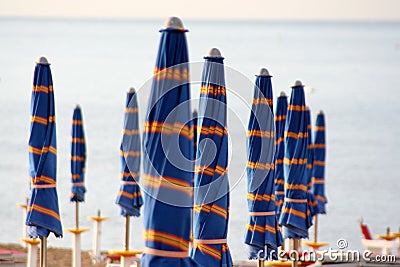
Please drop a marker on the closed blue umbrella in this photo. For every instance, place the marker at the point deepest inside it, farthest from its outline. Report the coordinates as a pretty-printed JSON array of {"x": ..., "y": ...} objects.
[
  {"x": 295, "y": 211},
  {"x": 195, "y": 115},
  {"x": 77, "y": 194},
  {"x": 129, "y": 196},
  {"x": 211, "y": 195},
  {"x": 43, "y": 213},
  {"x": 168, "y": 155},
  {"x": 78, "y": 157},
  {"x": 318, "y": 187},
  {"x": 310, "y": 156},
  {"x": 280, "y": 118},
  {"x": 262, "y": 227}
]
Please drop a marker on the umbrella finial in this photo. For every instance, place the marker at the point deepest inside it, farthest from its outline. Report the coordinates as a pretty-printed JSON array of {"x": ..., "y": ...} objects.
[
  {"x": 131, "y": 90},
  {"x": 297, "y": 83},
  {"x": 214, "y": 52},
  {"x": 77, "y": 106},
  {"x": 321, "y": 112},
  {"x": 283, "y": 94},
  {"x": 43, "y": 60},
  {"x": 263, "y": 72},
  {"x": 174, "y": 23}
]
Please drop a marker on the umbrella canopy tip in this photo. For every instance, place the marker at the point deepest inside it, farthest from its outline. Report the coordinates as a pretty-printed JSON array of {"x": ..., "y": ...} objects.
[
  {"x": 214, "y": 52},
  {"x": 297, "y": 83},
  {"x": 321, "y": 112},
  {"x": 77, "y": 106},
  {"x": 263, "y": 72},
  {"x": 42, "y": 60},
  {"x": 131, "y": 90},
  {"x": 283, "y": 94},
  {"x": 174, "y": 23}
]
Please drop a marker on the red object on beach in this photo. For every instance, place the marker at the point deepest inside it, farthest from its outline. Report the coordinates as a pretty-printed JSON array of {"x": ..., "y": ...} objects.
[
  {"x": 112, "y": 257},
  {"x": 12, "y": 252},
  {"x": 365, "y": 231}
]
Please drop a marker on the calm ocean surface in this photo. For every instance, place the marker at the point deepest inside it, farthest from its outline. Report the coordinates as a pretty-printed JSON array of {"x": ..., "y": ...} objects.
[{"x": 354, "y": 69}]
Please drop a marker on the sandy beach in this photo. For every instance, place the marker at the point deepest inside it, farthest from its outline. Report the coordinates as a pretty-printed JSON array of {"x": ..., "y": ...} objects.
[{"x": 56, "y": 256}]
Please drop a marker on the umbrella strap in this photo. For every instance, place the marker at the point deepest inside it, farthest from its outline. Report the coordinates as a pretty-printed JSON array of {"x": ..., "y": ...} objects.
[
  {"x": 165, "y": 253},
  {"x": 78, "y": 184},
  {"x": 293, "y": 200},
  {"x": 43, "y": 185},
  {"x": 210, "y": 241},
  {"x": 129, "y": 182},
  {"x": 262, "y": 213}
]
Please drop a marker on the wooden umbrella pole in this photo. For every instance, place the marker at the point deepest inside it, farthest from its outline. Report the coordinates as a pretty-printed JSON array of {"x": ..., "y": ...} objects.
[
  {"x": 127, "y": 220},
  {"x": 43, "y": 252},
  {"x": 125, "y": 262},
  {"x": 315, "y": 228},
  {"x": 77, "y": 215},
  {"x": 260, "y": 262},
  {"x": 296, "y": 251}
]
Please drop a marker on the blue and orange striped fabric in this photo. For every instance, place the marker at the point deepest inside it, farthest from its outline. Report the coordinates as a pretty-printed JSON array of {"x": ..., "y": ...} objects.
[
  {"x": 211, "y": 193},
  {"x": 318, "y": 187},
  {"x": 312, "y": 203},
  {"x": 295, "y": 211},
  {"x": 262, "y": 227},
  {"x": 168, "y": 157},
  {"x": 195, "y": 116},
  {"x": 78, "y": 157},
  {"x": 43, "y": 214},
  {"x": 129, "y": 196},
  {"x": 280, "y": 118}
]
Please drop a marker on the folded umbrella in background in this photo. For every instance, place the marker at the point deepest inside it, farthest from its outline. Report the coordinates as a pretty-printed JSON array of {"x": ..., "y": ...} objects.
[
  {"x": 78, "y": 157},
  {"x": 312, "y": 203},
  {"x": 211, "y": 194},
  {"x": 295, "y": 211},
  {"x": 43, "y": 212},
  {"x": 280, "y": 118},
  {"x": 318, "y": 175},
  {"x": 195, "y": 116},
  {"x": 262, "y": 228},
  {"x": 129, "y": 196}
]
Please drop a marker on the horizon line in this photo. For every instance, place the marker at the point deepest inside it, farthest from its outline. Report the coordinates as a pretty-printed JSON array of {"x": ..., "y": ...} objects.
[{"x": 150, "y": 19}]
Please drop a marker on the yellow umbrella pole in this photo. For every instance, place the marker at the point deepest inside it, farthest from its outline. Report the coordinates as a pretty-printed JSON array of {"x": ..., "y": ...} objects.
[{"x": 43, "y": 252}]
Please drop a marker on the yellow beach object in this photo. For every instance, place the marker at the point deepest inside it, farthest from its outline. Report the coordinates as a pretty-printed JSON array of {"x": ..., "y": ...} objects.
[
  {"x": 125, "y": 253},
  {"x": 315, "y": 245}
]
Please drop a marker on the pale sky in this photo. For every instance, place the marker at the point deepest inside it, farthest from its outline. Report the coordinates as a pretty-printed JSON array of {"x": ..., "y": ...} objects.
[{"x": 207, "y": 9}]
